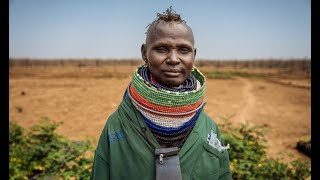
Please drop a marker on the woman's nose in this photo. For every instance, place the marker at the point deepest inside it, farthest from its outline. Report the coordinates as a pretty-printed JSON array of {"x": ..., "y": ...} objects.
[{"x": 173, "y": 58}]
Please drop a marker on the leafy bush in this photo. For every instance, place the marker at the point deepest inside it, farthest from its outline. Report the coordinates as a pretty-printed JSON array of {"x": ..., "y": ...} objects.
[
  {"x": 39, "y": 153},
  {"x": 248, "y": 158}
]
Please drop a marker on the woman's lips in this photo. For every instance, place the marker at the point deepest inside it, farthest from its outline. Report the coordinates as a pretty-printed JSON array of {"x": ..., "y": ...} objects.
[{"x": 172, "y": 72}]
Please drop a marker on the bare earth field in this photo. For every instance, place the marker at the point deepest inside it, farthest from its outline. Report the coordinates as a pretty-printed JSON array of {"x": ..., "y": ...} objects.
[{"x": 83, "y": 98}]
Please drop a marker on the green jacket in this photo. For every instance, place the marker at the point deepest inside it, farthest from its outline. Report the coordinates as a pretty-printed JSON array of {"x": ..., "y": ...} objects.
[{"x": 126, "y": 149}]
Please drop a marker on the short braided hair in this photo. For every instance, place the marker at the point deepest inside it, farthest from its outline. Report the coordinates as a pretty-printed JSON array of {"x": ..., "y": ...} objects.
[{"x": 168, "y": 15}]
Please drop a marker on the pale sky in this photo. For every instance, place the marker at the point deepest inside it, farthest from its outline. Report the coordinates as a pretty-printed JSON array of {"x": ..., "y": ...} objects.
[{"x": 223, "y": 29}]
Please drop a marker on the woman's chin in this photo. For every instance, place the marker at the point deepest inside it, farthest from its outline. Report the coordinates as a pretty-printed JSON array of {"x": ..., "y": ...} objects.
[{"x": 171, "y": 82}]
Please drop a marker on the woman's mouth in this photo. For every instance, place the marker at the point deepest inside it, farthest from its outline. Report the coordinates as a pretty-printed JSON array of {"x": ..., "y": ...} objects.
[{"x": 172, "y": 72}]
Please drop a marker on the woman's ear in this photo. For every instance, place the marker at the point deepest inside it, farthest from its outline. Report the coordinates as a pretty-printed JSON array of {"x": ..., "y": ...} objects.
[
  {"x": 144, "y": 52},
  {"x": 195, "y": 52}
]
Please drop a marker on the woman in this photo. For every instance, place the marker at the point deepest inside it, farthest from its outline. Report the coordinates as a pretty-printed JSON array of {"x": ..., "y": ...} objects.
[{"x": 160, "y": 130}]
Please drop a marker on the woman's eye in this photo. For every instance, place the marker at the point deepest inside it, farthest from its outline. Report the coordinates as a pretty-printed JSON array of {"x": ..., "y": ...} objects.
[
  {"x": 184, "y": 50},
  {"x": 162, "y": 49}
]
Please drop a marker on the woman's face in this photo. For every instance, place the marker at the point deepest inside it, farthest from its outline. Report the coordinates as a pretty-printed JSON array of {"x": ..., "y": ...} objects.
[{"x": 170, "y": 52}]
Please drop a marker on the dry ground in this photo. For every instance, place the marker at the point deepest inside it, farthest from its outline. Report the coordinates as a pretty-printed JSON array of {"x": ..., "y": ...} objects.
[{"x": 83, "y": 98}]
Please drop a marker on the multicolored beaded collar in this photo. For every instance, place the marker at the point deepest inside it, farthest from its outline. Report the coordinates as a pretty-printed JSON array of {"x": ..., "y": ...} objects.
[{"x": 169, "y": 113}]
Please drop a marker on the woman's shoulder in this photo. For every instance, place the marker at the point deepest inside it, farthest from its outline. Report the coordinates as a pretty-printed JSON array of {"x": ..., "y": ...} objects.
[
  {"x": 209, "y": 121},
  {"x": 121, "y": 115}
]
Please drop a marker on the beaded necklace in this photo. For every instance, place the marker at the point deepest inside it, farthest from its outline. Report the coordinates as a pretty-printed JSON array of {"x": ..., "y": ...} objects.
[
  {"x": 188, "y": 85},
  {"x": 170, "y": 113}
]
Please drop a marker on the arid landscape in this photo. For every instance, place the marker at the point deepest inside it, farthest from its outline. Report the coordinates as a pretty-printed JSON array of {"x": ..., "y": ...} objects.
[{"x": 83, "y": 95}]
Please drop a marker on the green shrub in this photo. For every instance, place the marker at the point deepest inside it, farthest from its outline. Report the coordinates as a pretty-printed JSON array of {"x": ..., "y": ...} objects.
[
  {"x": 248, "y": 155},
  {"x": 39, "y": 153}
]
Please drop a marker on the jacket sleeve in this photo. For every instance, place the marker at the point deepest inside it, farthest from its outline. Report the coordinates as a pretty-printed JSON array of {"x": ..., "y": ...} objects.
[{"x": 100, "y": 169}]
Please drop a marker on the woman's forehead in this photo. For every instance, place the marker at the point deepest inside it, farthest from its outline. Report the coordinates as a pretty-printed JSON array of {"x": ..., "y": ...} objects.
[{"x": 170, "y": 29}]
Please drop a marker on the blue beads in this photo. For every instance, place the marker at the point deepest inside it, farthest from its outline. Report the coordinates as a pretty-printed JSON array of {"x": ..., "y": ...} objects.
[{"x": 171, "y": 131}]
